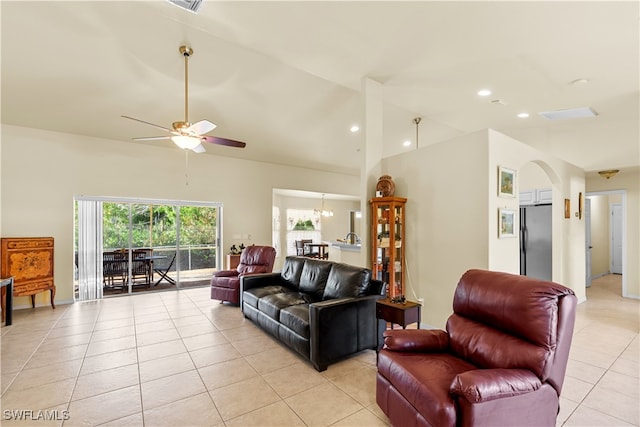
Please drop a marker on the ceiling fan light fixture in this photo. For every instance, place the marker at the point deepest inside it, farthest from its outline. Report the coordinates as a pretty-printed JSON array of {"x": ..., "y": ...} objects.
[
  {"x": 186, "y": 142},
  {"x": 608, "y": 173}
]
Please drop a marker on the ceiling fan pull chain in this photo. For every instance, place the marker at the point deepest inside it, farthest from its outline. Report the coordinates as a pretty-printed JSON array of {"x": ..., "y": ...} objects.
[{"x": 186, "y": 167}]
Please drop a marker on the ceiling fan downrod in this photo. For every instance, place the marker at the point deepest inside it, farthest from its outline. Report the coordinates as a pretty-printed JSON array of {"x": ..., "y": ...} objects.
[{"x": 186, "y": 51}]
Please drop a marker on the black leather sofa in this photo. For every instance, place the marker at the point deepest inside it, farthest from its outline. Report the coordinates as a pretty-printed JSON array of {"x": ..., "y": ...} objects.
[{"x": 323, "y": 310}]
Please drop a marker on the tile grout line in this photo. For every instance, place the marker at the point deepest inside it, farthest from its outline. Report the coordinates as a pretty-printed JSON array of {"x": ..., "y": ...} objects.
[{"x": 37, "y": 347}]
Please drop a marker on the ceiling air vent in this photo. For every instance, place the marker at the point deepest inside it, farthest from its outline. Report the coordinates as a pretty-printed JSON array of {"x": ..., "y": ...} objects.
[
  {"x": 574, "y": 113},
  {"x": 190, "y": 5}
]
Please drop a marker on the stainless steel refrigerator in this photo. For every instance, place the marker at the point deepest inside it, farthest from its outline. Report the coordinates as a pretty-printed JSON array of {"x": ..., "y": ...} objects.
[{"x": 535, "y": 241}]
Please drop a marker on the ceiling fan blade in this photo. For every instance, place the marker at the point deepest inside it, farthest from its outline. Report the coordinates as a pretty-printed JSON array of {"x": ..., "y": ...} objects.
[
  {"x": 201, "y": 127},
  {"x": 151, "y": 138},
  {"x": 224, "y": 141},
  {"x": 147, "y": 123},
  {"x": 199, "y": 149}
]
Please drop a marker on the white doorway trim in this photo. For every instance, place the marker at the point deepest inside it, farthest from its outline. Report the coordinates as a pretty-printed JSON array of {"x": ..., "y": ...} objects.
[
  {"x": 623, "y": 193},
  {"x": 615, "y": 237}
]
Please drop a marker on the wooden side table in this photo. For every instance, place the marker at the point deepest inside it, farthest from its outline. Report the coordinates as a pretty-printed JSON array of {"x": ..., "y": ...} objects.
[
  {"x": 232, "y": 261},
  {"x": 398, "y": 313},
  {"x": 395, "y": 313}
]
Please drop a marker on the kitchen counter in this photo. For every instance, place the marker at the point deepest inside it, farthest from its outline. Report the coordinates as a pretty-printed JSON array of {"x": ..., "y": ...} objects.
[{"x": 346, "y": 253}]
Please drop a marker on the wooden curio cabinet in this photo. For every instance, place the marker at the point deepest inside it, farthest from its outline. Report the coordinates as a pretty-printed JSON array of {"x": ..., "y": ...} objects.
[{"x": 387, "y": 237}]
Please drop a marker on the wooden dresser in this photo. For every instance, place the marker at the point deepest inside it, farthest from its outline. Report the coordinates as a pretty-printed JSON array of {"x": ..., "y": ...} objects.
[{"x": 30, "y": 261}]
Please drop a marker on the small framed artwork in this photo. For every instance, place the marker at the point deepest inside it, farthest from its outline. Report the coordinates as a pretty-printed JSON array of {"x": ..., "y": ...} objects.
[
  {"x": 506, "y": 182},
  {"x": 506, "y": 223},
  {"x": 567, "y": 208}
]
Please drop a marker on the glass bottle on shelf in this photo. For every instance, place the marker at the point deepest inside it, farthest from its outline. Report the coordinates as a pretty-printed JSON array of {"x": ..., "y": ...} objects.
[{"x": 387, "y": 237}]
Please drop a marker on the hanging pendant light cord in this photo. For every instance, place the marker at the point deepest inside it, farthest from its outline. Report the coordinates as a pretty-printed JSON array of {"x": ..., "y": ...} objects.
[{"x": 417, "y": 121}]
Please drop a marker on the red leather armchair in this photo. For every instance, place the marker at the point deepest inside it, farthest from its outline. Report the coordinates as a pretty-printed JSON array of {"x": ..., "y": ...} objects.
[
  {"x": 500, "y": 362},
  {"x": 225, "y": 284}
]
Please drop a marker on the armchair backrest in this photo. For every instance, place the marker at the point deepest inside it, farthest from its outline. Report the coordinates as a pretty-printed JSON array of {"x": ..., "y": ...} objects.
[
  {"x": 502, "y": 320},
  {"x": 257, "y": 259}
]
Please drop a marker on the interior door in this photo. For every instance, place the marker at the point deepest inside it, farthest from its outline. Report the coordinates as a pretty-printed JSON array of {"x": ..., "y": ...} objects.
[
  {"x": 588, "y": 245},
  {"x": 616, "y": 238}
]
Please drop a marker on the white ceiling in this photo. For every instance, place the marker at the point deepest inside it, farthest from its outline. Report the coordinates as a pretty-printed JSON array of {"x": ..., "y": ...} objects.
[{"x": 286, "y": 77}]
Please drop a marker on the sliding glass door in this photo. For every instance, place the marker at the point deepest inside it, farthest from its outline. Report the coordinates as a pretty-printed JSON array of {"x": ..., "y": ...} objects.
[
  {"x": 147, "y": 245},
  {"x": 198, "y": 244}
]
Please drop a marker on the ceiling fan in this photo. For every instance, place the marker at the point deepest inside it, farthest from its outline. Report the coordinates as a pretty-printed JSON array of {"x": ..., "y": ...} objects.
[{"x": 189, "y": 136}]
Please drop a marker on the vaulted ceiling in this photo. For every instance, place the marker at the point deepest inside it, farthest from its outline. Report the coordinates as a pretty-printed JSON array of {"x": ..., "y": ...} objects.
[{"x": 286, "y": 77}]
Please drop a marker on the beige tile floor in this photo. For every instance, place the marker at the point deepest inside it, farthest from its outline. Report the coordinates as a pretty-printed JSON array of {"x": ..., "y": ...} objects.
[{"x": 180, "y": 359}]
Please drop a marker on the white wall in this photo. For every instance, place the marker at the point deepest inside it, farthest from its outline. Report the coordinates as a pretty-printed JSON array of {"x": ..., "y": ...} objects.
[
  {"x": 446, "y": 218},
  {"x": 567, "y": 182},
  {"x": 42, "y": 171},
  {"x": 452, "y": 215}
]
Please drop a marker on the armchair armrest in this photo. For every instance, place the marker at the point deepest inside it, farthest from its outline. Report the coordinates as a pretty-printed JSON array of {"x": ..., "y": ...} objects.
[
  {"x": 483, "y": 385},
  {"x": 225, "y": 273},
  {"x": 416, "y": 340}
]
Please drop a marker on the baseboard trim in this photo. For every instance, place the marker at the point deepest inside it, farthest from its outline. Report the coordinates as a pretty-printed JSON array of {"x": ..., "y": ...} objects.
[{"x": 38, "y": 305}]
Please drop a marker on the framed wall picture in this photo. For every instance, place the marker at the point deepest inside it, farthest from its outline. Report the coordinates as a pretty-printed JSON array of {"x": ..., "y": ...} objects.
[
  {"x": 506, "y": 223},
  {"x": 506, "y": 182}
]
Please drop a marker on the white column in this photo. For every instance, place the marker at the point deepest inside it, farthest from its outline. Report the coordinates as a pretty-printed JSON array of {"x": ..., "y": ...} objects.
[{"x": 371, "y": 167}]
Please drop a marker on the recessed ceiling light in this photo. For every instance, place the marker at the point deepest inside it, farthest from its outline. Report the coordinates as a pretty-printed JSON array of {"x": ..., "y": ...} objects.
[
  {"x": 579, "y": 82},
  {"x": 406, "y": 143},
  {"x": 355, "y": 128},
  {"x": 523, "y": 115},
  {"x": 484, "y": 92}
]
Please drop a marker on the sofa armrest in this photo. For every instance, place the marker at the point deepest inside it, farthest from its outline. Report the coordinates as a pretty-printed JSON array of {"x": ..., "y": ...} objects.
[
  {"x": 416, "y": 340},
  {"x": 341, "y": 326},
  {"x": 483, "y": 385},
  {"x": 258, "y": 280},
  {"x": 225, "y": 273}
]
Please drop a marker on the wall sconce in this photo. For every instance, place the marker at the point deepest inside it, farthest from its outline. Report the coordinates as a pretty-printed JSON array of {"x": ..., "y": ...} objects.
[{"x": 608, "y": 173}]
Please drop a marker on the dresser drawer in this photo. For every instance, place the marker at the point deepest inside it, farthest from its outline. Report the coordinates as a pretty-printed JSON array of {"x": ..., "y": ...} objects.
[{"x": 32, "y": 287}]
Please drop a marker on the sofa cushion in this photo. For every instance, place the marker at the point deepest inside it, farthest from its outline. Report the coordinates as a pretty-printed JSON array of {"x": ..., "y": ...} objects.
[
  {"x": 291, "y": 270},
  {"x": 296, "y": 318},
  {"x": 314, "y": 276},
  {"x": 346, "y": 281},
  {"x": 252, "y": 295},
  {"x": 272, "y": 304}
]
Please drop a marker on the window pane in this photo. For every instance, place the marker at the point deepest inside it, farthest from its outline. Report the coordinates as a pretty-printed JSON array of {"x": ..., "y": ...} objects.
[{"x": 198, "y": 244}]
